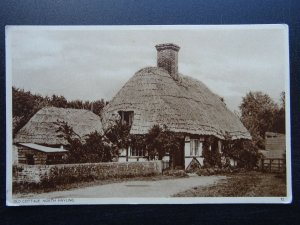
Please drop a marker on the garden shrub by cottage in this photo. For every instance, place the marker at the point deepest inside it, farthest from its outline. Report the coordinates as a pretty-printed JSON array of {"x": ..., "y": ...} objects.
[{"x": 212, "y": 156}]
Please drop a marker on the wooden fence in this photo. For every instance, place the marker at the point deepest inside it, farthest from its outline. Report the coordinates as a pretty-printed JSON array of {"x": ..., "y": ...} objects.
[{"x": 273, "y": 165}]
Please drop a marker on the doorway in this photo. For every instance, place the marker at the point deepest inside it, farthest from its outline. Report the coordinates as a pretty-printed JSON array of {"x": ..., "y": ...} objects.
[{"x": 30, "y": 159}]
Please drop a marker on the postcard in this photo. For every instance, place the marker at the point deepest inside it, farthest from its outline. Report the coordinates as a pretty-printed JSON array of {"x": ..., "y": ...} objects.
[{"x": 147, "y": 114}]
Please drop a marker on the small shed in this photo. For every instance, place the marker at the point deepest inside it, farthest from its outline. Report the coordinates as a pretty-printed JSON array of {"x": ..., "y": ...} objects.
[
  {"x": 275, "y": 145},
  {"x": 41, "y": 141},
  {"x": 32, "y": 154}
]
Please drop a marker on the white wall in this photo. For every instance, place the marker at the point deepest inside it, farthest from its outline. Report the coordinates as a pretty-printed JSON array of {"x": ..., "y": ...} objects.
[
  {"x": 15, "y": 155},
  {"x": 187, "y": 153},
  {"x": 187, "y": 161},
  {"x": 132, "y": 159}
]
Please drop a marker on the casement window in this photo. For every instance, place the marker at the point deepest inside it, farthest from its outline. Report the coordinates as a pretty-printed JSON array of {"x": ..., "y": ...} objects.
[
  {"x": 196, "y": 147},
  {"x": 126, "y": 117},
  {"x": 136, "y": 152}
]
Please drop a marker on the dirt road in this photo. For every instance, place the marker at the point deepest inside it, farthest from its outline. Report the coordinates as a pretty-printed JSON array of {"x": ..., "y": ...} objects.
[{"x": 159, "y": 188}]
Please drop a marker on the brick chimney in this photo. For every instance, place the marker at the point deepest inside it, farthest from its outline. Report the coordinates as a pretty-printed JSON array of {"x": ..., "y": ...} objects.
[{"x": 167, "y": 58}]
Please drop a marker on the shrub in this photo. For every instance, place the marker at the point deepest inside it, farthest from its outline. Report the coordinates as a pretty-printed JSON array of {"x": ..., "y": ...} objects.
[
  {"x": 212, "y": 156},
  {"x": 244, "y": 152},
  {"x": 160, "y": 141},
  {"x": 95, "y": 148},
  {"x": 175, "y": 173}
]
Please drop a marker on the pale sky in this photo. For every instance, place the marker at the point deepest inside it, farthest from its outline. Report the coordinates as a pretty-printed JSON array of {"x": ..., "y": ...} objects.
[{"x": 90, "y": 63}]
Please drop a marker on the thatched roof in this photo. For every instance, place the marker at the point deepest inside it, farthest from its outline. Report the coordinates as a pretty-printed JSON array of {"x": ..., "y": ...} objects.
[
  {"x": 43, "y": 126},
  {"x": 186, "y": 106}
]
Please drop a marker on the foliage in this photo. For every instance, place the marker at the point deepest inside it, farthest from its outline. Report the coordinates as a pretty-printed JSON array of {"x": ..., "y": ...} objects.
[
  {"x": 243, "y": 151},
  {"x": 279, "y": 121},
  {"x": 157, "y": 142},
  {"x": 26, "y": 104},
  {"x": 160, "y": 140},
  {"x": 119, "y": 136},
  {"x": 96, "y": 147},
  {"x": 259, "y": 114},
  {"x": 211, "y": 154}
]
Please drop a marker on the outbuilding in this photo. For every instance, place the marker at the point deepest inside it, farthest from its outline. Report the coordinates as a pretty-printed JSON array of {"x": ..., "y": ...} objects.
[{"x": 41, "y": 141}]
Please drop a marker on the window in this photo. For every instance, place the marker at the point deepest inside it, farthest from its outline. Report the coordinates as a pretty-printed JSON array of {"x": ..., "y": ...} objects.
[
  {"x": 126, "y": 117},
  {"x": 196, "y": 147},
  {"x": 136, "y": 152}
]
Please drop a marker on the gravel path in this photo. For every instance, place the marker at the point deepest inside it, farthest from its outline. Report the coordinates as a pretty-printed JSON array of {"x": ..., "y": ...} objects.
[{"x": 159, "y": 188}]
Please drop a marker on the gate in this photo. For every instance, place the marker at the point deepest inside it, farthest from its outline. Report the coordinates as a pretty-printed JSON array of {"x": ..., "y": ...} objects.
[{"x": 273, "y": 165}]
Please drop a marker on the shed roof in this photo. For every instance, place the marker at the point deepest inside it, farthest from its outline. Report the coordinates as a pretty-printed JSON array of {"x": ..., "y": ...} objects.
[
  {"x": 42, "y": 148},
  {"x": 42, "y": 128}
]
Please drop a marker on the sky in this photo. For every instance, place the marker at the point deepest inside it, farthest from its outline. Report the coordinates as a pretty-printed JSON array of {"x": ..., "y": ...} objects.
[{"x": 94, "y": 62}]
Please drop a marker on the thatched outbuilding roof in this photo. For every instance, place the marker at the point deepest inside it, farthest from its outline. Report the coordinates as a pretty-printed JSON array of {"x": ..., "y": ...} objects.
[
  {"x": 43, "y": 127},
  {"x": 183, "y": 104}
]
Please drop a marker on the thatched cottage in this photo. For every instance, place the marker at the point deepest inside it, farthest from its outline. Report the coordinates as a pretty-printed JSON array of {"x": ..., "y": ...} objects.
[
  {"x": 41, "y": 142},
  {"x": 163, "y": 96}
]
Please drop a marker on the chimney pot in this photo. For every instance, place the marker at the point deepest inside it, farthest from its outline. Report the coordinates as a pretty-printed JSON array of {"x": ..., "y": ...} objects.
[{"x": 167, "y": 58}]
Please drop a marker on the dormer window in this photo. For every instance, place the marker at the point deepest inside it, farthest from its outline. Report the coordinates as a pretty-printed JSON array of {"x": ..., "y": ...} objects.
[{"x": 126, "y": 117}]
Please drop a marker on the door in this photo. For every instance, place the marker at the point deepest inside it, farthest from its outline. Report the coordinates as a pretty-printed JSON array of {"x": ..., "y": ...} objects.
[{"x": 178, "y": 157}]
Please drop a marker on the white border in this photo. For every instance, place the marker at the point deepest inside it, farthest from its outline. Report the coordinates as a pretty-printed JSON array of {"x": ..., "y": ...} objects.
[{"x": 174, "y": 200}]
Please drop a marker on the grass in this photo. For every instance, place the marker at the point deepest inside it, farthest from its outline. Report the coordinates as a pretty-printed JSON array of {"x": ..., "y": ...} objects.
[{"x": 250, "y": 184}]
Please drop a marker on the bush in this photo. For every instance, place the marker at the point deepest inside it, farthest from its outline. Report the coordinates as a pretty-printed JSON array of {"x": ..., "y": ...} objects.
[
  {"x": 212, "y": 157},
  {"x": 244, "y": 152},
  {"x": 95, "y": 148},
  {"x": 219, "y": 171},
  {"x": 43, "y": 177},
  {"x": 176, "y": 173}
]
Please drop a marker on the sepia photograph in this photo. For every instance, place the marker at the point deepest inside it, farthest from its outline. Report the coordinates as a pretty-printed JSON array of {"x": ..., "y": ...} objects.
[{"x": 175, "y": 114}]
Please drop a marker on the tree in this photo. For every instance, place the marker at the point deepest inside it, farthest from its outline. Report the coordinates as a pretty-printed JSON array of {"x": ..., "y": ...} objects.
[
  {"x": 95, "y": 148},
  {"x": 59, "y": 101},
  {"x": 243, "y": 151},
  {"x": 160, "y": 140},
  {"x": 24, "y": 106},
  {"x": 211, "y": 154},
  {"x": 119, "y": 135},
  {"x": 279, "y": 119},
  {"x": 97, "y": 106},
  {"x": 258, "y": 114}
]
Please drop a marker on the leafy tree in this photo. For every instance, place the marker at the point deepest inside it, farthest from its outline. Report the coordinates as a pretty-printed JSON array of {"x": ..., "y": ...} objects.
[
  {"x": 95, "y": 148},
  {"x": 119, "y": 135},
  {"x": 97, "y": 106},
  {"x": 257, "y": 114},
  {"x": 211, "y": 154},
  {"x": 160, "y": 140},
  {"x": 279, "y": 119},
  {"x": 58, "y": 101},
  {"x": 243, "y": 151},
  {"x": 24, "y": 106}
]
